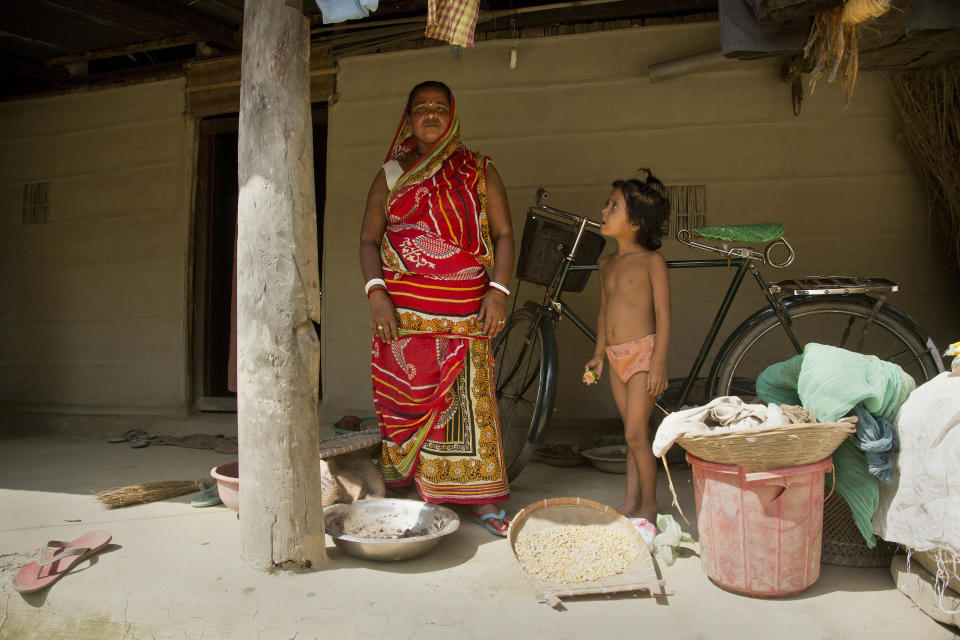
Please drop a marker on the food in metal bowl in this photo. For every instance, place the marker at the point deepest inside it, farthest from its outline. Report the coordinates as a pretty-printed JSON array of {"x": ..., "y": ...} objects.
[{"x": 388, "y": 529}]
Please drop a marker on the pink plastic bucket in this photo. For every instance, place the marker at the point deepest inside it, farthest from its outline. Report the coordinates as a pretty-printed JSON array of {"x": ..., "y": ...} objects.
[
  {"x": 760, "y": 532},
  {"x": 227, "y": 476}
]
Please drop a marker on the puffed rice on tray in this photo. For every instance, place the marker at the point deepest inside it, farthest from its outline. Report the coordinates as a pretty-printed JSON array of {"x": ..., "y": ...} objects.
[{"x": 575, "y": 553}]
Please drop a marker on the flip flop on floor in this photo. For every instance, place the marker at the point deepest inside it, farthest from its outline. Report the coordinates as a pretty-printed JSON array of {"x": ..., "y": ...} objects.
[
  {"x": 209, "y": 497},
  {"x": 137, "y": 438},
  {"x": 482, "y": 521},
  {"x": 58, "y": 559}
]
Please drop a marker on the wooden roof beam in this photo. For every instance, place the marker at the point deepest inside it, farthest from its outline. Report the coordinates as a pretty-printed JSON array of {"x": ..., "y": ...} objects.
[
  {"x": 20, "y": 67},
  {"x": 192, "y": 21},
  {"x": 152, "y": 45}
]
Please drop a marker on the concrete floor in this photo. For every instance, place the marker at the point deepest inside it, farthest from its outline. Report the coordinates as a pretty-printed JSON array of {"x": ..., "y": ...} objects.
[{"x": 173, "y": 571}]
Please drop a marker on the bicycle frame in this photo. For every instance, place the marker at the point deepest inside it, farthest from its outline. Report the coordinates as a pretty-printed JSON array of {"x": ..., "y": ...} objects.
[{"x": 743, "y": 265}]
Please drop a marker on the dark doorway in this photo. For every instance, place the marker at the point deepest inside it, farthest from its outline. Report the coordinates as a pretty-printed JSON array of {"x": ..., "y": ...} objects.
[{"x": 216, "y": 221}]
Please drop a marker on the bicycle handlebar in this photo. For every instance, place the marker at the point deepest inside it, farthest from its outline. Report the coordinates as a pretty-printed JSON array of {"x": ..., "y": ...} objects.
[
  {"x": 543, "y": 194},
  {"x": 683, "y": 235}
]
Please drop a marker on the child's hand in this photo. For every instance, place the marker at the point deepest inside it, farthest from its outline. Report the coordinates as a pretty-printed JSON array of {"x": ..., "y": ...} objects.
[
  {"x": 592, "y": 371},
  {"x": 657, "y": 381}
]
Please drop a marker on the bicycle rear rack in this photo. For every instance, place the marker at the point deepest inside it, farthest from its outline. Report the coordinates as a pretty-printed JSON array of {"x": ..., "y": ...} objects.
[{"x": 832, "y": 285}]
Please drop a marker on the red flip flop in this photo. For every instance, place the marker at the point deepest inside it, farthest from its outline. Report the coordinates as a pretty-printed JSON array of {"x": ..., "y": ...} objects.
[{"x": 58, "y": 559}]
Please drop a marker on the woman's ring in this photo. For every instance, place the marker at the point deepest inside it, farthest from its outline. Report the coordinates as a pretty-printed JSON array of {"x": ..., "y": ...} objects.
[{"x": 501, "y": 321}]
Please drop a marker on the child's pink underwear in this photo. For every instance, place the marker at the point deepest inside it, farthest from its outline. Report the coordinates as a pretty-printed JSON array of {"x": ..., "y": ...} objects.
[{"x": 632, "y": 357}]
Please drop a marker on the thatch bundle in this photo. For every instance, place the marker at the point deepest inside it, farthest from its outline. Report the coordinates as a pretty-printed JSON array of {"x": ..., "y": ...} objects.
[
  {"x": 929, "y": 103},
  {"x": 832, "y": 45}
]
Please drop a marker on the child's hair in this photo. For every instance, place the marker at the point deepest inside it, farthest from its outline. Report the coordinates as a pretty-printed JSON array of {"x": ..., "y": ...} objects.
[{"x": 647, "y": 207}]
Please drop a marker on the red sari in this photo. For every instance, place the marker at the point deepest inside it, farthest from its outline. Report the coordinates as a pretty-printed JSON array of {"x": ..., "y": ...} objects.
[{"x": 433, "y": 388}]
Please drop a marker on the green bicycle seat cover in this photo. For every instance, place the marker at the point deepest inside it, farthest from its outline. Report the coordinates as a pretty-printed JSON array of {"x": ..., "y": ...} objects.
[{"x": 761, "y": 232}]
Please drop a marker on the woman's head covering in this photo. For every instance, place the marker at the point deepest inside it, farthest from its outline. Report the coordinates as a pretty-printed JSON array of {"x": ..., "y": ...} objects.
[{"x": 404, "y": 143}]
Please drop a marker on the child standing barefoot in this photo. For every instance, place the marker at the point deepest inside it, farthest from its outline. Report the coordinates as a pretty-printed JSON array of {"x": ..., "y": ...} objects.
[{"x": 633, "y": 328}]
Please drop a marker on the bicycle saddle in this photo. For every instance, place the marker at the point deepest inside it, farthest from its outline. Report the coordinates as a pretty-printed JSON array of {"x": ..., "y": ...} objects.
[{"x": 761, "y": 232}]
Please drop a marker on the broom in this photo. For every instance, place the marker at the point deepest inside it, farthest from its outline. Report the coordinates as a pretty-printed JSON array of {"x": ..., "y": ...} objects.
[{"x": 150, "y": 492}]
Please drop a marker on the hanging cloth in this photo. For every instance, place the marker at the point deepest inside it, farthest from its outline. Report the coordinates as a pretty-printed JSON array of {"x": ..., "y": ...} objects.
[{"x": 452, "y": 21}]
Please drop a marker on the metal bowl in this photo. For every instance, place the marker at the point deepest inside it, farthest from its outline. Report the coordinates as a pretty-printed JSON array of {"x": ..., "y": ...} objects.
[
  {"x": 561, "y": 455},
  {"x": 388, "y": 529},
  {"x": 612, "y": 459}
]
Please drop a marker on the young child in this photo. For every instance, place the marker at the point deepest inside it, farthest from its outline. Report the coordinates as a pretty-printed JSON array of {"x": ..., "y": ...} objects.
[{"x": 633, "y": 329}]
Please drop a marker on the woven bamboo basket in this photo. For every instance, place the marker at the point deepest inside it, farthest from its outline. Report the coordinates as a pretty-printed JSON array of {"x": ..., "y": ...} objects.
[
  {"x": 769, "y": 448},
  {"x": 641, "y": 575},
  {"x": 843, "y": 544}
]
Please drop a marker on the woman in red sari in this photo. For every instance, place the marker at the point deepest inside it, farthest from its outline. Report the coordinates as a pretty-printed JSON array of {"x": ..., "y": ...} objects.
[{"x": 436, "y": 220}]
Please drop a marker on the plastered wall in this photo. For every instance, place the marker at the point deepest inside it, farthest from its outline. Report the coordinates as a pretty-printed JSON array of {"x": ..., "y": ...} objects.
[
  {"x": 93, "y": 302},
  {"x": 579, "y": 111}
]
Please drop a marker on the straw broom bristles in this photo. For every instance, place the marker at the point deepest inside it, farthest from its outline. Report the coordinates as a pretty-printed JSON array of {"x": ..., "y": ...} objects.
[{"x": 149, "y": 492}]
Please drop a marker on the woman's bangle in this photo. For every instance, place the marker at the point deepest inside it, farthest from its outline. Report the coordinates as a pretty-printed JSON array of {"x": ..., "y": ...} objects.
[
  {"x": 373, "y": 282},
  {"x": 499, "y": 287}
]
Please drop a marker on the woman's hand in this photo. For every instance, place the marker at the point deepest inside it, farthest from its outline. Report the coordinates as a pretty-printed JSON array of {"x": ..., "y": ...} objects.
[
  {"x": 383, "y": 316},
  {"x": 593, "y": 370},
  {"x": 657, "y": 381},
  {"x": 493, "y": 312}
]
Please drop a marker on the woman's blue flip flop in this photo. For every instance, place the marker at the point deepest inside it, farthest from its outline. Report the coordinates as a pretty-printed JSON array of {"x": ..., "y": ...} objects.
[{"x": 482, "y": 521}]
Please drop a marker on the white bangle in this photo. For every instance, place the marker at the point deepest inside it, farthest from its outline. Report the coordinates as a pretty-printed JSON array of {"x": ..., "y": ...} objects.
[
  {"x": 371, "y": 283},
  {"x": 499, "y": 287}
]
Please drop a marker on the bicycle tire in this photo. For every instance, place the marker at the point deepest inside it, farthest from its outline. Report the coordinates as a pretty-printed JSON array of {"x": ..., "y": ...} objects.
[
  {"x": 524, "y": 380},
  {"x": 758, "y": 343}
]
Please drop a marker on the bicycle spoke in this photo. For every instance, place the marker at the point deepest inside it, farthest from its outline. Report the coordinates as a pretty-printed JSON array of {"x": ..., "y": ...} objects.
[
  {"x": 517, "y": 359},
  {"x": 840, "y": 323}
]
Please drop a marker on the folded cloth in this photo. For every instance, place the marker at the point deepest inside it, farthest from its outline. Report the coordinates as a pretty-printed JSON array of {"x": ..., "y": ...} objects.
[
  {"x": 876, "y": 437},
  {"x": 783, "y": 10},
  {"x": 921, "y": 509},
  {"x": 726, "y": 413},
  {"x": 743, "y": 37},
  {"x": 343, "y": 10},
  {"x": 928, "y": 17},
  {"x": 858, "y": 487},
  {"x": 831, "y": 381}
]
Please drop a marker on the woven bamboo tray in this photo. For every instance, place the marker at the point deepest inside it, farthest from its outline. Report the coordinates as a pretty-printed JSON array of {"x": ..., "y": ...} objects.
[
  {"x": 640, "y": 575},
  {"x": 770, "y": 448},
  {"x": 843, "y": 544}
]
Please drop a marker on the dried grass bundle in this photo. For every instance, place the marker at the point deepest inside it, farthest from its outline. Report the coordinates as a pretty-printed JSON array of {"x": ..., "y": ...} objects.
[
  {"x": 857, "y": 11},
  {"x": 832, "y": 45},
  {"x": 929, "y": 103},
  {"x": 149, "y": 492}
]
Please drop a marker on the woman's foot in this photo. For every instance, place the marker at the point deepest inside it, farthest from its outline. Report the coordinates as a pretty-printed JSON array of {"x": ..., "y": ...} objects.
[{"x": 491, "y": 517}]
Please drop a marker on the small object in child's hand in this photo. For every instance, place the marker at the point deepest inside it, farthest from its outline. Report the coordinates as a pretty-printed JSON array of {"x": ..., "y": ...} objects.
[{"x": 590, "y": 377}]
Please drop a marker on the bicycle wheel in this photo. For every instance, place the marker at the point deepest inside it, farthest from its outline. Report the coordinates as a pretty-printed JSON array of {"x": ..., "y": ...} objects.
[
  {"x": 519, "y": 365},
  {"x": 836, "y": 322}
]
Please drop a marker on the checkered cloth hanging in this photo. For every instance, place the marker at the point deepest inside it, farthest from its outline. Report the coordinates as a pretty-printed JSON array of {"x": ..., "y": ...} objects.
[{"x": 453, "y": 21}]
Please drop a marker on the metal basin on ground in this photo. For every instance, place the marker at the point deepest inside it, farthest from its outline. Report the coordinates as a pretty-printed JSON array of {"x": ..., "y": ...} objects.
[
  {"x": 612, "y": 459},
  {"x": 388, "y": 529}
]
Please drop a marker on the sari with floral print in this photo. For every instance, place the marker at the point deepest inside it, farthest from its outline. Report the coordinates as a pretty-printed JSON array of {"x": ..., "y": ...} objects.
[{"x": 432, "y": 388}]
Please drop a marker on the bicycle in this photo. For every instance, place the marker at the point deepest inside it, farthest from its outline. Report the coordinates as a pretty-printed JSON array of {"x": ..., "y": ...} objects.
[{"x": 847, "y": 312}]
